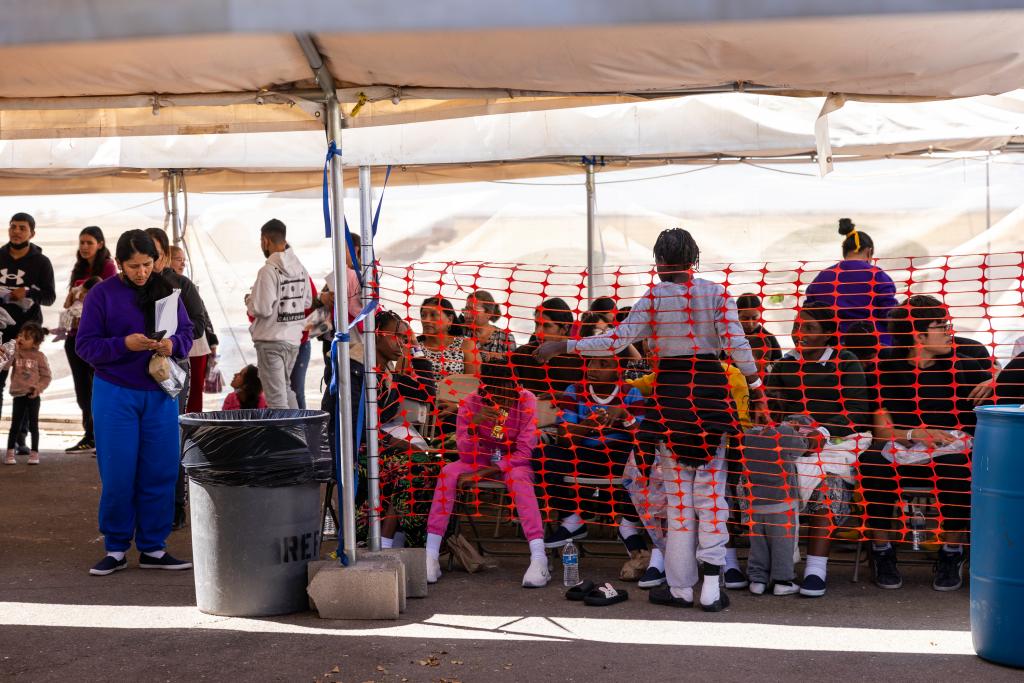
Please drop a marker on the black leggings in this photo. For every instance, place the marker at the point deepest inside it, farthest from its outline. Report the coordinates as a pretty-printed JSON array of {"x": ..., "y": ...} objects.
[
  {"x": 949, "y": 475},
  {"x": 608, "y": 460},
  {"x": 25, "y": 416},
  {"x": 82, "y": 374}
]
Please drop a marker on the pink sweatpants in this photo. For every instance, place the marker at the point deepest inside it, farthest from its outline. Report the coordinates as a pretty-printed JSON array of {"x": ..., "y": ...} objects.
[{"x": 518, "y": 481}]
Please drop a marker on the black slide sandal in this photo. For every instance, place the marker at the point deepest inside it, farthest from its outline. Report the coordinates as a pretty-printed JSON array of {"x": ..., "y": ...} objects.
[
  {"x": 579, "y": 591},
  {"x": 605, "y": 595}
]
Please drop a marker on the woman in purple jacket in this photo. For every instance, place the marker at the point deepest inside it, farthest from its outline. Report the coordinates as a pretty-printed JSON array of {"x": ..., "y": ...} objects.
[
  {"x": 136, "y": 422},
  {"x": 861, "y": 293}
]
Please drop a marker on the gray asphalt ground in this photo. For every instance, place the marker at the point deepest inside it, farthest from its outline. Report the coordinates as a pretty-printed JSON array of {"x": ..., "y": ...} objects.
[{"x": 138, "y": 625}]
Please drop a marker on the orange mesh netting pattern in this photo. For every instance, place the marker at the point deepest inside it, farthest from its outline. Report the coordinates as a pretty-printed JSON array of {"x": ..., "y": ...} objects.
[{"x": 869, "y": 371}]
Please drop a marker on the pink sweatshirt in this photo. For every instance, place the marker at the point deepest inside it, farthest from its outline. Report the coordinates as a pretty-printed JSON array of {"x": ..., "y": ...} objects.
[
  {"x": 477, "y": 445},
  {"x": 31, "y": 370}
]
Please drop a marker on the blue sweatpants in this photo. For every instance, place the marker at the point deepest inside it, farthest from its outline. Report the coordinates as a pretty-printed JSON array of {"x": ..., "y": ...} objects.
[{"x": 137, "y": 453}]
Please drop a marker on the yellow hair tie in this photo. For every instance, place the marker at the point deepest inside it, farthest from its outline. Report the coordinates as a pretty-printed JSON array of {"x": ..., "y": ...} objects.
[{"x": 856, "y": 239}]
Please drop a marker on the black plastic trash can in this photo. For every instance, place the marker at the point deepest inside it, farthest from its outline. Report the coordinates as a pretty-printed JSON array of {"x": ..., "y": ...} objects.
[{"x": 254, "y": 489}]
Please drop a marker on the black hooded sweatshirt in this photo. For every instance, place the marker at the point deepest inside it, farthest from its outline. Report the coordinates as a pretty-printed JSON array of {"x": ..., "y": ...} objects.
[{"x": 34, "y": 272}]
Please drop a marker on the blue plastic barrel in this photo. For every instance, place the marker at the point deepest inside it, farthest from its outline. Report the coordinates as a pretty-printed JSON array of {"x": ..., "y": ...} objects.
[{"x": 997, "y": 535}]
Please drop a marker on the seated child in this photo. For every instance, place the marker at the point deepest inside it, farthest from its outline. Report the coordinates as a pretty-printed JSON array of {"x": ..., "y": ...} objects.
[
  {"x": 248, "y": 390},
  {"x": 598, "y": 418},
  {"x": 496, "y": 432},
  {"x": 749, "y": 308}
]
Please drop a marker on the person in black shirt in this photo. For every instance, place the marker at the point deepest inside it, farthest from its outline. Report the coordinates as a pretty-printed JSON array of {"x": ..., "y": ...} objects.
[
  {"x": 926, "y": 417},
  {"x": 554, "y": 322},
  {"x": 821, "y": 392},
  {"x": 966, "y": 347},
  {"x": 749, "y": 308},
  {"x": 1010, "y": 383}
]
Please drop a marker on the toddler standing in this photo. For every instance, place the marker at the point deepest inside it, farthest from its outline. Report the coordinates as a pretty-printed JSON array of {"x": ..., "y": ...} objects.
[{"x": 30, "y": 376}]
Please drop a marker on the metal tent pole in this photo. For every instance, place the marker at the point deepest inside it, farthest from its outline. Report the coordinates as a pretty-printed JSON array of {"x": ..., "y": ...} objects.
[
  {"x": 174, "y": 188},
  {"x": 591, "y": 227},
  {"x": 367, "y": 263},
  {"x": 343, "y": 414}
]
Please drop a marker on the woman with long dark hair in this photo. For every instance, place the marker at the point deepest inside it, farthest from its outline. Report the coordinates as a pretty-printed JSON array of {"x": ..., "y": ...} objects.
[
  {"x": 136, "y": 421},
  {"x": 92, "y": 261}
]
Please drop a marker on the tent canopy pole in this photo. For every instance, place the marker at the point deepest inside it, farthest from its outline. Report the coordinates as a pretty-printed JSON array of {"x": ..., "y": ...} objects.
[{"x": 367, "y": 263}]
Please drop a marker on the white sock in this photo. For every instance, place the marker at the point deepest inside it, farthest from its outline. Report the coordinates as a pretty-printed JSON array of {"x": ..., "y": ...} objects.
[
  {"x": 658, "y": 561},
  {"x": 537, "y": 550},
  {"x": 709, "y": 590},
  {"x": 573, "y": 522},
  {"x": 817, "y": 565},
  {"x": 116, "y": 555},
  {"x": 386, "y": 543},
  {"x": 399, "y": 540},
  {"x": 731, "y": 561},
  {"x": 881, "y": 547},
  {"x": 627, "y": 528},
  {"x": 156, "y": 553},
  {"x": 684, "y": 593},
  {"x": 952, "y": 548},
  {"x": 434, "y": 545}
]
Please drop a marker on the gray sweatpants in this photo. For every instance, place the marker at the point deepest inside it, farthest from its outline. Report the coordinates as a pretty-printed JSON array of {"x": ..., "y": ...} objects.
[
  {"x": 697, "y": 511},
  {"x": 275, "y": 361},
  {"x": 771, "y": 547}
]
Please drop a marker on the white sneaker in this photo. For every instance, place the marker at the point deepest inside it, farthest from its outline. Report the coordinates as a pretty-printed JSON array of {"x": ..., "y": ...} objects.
[
  {"x": 33, "y": 458},
  {"x": 758, "y": 588},
  {"x": 537, "y": 574},
  {"x": 786, "y": 588},
  {"x": 433, "y": 569},
  {"x": 9, "y": 458}
]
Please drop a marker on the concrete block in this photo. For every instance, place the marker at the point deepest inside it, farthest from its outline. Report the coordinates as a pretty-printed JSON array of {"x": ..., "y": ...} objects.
[
  {"x": 388, "y": 556},
  {"x": 368, "y": 589},
  {"x": 415, "y": 561}
]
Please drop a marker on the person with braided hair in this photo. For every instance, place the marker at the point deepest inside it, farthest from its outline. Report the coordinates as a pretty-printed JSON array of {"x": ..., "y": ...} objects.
[
  {"x": 688, "y": 323},
  {"x": 861, "y": 293}
]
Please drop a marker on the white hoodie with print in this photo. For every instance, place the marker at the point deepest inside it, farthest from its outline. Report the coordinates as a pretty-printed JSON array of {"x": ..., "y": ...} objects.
[{"x": 279, "y": 299}]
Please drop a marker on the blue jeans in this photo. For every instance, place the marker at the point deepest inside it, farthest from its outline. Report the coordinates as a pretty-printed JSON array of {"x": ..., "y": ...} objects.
[
  {"x": 137, "y": 454},
  {"x": 298, "y": 378}
]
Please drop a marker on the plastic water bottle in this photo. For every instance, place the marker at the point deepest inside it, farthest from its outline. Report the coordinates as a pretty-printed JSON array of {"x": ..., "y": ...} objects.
[
  {"x": 918, "y": 527},
  {"x": 570, "y": 565}
]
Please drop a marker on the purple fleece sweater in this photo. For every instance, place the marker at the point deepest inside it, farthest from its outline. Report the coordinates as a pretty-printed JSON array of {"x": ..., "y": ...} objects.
[{"x": 109, "y": 315}]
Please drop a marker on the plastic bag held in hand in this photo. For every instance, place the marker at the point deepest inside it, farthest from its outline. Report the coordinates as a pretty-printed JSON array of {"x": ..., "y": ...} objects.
[{"x": 7, "y": 355}]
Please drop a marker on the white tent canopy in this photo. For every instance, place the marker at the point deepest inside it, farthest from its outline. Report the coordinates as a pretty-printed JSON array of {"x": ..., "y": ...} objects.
[
  {"x": 730, "y": 125},
  {"x": 459, "y": 57}
]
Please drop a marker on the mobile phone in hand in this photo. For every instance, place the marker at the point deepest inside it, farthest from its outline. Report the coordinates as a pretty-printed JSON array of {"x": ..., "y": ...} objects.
[{"x": 157, "y": 336}]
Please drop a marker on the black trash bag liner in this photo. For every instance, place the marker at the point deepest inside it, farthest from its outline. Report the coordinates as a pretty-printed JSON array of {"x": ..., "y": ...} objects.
[{"x": 266, "y": 448}]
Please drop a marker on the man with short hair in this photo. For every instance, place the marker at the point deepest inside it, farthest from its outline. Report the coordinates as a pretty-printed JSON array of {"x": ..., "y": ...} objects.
[
  {"x": 26, "y": 284},
  {"x": 277, "y": 306}
]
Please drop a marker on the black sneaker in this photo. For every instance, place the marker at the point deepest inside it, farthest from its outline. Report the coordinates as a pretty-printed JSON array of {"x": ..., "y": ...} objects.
[
  {"x": 662, "y": 595},
  {"x": 735, "y": 580},
  {"x": 82, "y": 446},
  {"x": 147, "y": 561},
  {"x": 561, "y": 536},
  {"x": 887, "y": 574},
  {"x": 813, "y": 586},
  {"x": 23, "y": 449},
  {"x": 108, "y": 565},
  {"x": 652, "y": 578},
  {"x": 949, "y": 571}
]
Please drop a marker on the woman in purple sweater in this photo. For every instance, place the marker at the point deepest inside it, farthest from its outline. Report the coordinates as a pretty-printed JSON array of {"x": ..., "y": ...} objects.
[
  {"x": 861, "y": 293},
  {"x": 136, "y": 422}
]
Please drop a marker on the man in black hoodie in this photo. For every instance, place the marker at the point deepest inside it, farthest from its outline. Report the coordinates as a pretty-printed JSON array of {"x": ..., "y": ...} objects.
[{"x": 26, "y": 281}]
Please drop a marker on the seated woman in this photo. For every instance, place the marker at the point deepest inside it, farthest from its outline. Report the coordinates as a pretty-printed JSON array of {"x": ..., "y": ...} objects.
[
  {"x": 399, "y": 377},
  {"x": 247, "y": 390},
  {"x": 444, "y": 343},
  {"x": 491, "y": 344},
  {"x": 926, "y": 418},
  {"x": 821, "y": 392},
  {"x": 497, "y": 433},
  {"x": 553, "y": 322},
  {"x": 598, "y": 418}
]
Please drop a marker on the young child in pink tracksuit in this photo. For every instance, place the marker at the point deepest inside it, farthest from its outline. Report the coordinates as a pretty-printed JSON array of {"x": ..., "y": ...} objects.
[{"x": 496, "y": 431}]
